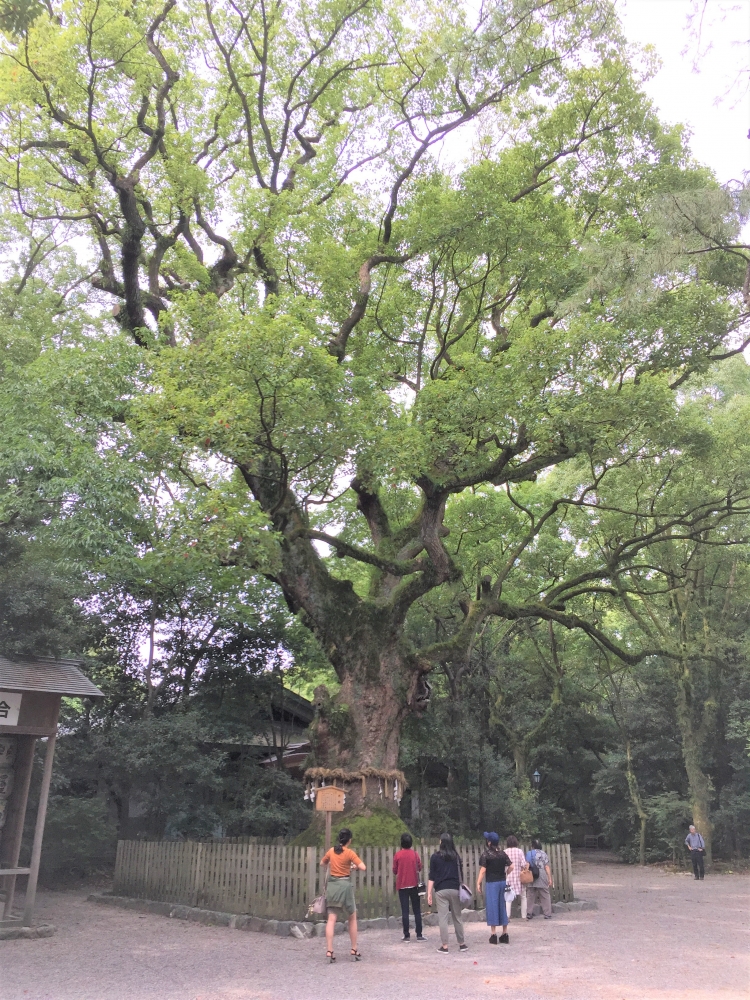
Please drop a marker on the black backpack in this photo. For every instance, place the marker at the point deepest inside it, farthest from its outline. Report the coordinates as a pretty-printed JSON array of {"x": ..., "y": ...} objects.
[{"x": 534, "y": 868}]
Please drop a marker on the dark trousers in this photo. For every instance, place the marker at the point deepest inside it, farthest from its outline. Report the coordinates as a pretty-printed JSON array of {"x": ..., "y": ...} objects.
[
  {"x": 404, "y": 896},
  {"x": 697, "y": 858}
]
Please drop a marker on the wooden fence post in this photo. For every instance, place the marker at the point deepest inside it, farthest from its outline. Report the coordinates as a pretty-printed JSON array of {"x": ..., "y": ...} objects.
[
  {"x": 197, "y": 875},
  {"x": 117, "y": 882},
  {"x": 311, "y": 874}
]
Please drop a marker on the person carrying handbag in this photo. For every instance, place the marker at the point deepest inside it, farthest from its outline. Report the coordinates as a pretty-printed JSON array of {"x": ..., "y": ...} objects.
[
  {"x": 445, "y": 881},
  {"x": 519, "y": 875},
  {"x": 407, "y": 865},
  {"x": 340, "y": 892}
]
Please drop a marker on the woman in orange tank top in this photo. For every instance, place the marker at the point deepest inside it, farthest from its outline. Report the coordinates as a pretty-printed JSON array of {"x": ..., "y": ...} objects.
[{"x": 341, "y": 859}]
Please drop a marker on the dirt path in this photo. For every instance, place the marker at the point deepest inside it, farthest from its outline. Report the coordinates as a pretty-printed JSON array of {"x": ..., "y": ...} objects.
[{"x": 656, "y": 936}]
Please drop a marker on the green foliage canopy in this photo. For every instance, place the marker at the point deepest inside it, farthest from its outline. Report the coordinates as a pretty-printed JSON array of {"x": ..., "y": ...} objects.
[{"x": 351, "y": 331}]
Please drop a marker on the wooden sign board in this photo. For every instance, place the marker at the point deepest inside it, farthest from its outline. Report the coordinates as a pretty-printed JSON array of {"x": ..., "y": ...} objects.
[
  {"x": 29, "y": 713},
  {"x": 10, "y": 707},
  {"x": 329, "y": 799}
]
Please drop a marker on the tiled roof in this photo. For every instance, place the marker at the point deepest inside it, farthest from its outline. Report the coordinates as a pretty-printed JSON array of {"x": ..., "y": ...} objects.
[{"x": 43, "y": 673}]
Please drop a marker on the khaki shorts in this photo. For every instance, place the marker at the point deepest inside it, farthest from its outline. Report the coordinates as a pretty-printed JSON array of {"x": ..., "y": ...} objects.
[{"x": 340, "y": 896}]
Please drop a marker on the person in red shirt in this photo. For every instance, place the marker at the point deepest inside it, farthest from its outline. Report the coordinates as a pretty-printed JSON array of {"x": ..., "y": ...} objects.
[{"x": 407, "y": 865}]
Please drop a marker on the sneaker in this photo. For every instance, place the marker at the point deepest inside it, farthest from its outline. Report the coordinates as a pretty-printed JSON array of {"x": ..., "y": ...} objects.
[
  {"x": 504, "y": 939},
  {"x": 493, "y": 938},
  {"x": 463, "y": 947},
  {"x": 421, "y": 937},
  {"x": 547, "y": 917},
  {"x": 406, "y": 937},
  {"x": 442, "y": 951}
]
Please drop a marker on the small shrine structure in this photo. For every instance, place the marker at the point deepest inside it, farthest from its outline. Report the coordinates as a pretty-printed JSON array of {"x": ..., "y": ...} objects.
[
  {"x": 366, "y": 788},
  {"x": 31, "y": 690}
]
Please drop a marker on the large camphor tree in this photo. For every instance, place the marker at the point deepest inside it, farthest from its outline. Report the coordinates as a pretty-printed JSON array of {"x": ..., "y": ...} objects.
[{"x": 379, "y": 260}]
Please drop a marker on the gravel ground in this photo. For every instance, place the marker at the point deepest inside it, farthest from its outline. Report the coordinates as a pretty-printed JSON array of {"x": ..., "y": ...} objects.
[{"x": 656, "y": 936}]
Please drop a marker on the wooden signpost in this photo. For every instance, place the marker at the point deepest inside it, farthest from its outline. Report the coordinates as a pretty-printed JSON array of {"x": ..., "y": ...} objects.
[
  {"x": 329, "y": 800},
  {"x": 30, "y": 694}
]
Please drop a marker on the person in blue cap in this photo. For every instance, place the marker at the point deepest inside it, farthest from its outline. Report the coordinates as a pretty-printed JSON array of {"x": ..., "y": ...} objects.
[{"x": 494, "y": 864}]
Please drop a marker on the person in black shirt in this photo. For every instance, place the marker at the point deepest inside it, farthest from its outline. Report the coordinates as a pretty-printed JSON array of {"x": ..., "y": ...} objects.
[
  {"x": 494, "y": 865},
  {"x": 444, "y": 880}
]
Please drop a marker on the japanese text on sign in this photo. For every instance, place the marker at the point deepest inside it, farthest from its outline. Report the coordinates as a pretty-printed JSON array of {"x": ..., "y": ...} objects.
[{"x": 10, "y": 706}]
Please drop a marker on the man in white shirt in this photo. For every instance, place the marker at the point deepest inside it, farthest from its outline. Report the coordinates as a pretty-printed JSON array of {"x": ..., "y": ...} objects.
[{"x": 696, "y": 845}]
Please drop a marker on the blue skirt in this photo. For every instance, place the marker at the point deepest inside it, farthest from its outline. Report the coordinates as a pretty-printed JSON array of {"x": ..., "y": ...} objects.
[{"x": 494, "y": 898}]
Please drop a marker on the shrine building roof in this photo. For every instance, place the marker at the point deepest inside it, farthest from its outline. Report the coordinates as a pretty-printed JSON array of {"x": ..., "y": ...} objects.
[{"x": 44, "y": 673}]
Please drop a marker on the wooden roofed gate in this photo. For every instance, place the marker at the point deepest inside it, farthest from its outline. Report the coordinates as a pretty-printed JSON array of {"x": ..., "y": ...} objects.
[
  {"x": 274, "y": 881},
  {"x": 31, "y": 690}
]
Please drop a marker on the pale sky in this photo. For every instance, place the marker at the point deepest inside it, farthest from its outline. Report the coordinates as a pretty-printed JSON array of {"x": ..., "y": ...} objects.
[{"x": 703, "y": 82}]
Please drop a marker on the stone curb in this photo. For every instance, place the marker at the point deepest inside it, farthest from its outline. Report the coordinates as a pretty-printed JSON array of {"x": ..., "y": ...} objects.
[
  {"x": 575, "y": 906},
  {"x": 245, "y": 922},
  {"x": 14, "y": 933},
  {"x": 299, "y": 929}
]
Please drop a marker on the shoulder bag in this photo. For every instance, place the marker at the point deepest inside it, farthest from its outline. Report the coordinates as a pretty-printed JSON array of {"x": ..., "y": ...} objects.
[
  {"x": 465, "y": 895},
  {"x": 421, "y": 887},
  {"x": 534, "y": 868},
  {"x": 318, "y": 907}
]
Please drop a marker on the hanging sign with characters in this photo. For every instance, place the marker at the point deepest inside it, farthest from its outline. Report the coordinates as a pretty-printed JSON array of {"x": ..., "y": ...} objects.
[
  {"x": 10, "y": 706},
  {"x": 330, "y": 799}
]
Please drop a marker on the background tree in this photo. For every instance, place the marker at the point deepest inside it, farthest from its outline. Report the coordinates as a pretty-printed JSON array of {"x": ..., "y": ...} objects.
[{"x": 677, "y": 581}]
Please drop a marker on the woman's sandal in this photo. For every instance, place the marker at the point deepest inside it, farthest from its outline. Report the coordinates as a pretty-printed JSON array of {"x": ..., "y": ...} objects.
[
  {"x": 355, "y": 954},
  {"x": 330, "y": 956}
]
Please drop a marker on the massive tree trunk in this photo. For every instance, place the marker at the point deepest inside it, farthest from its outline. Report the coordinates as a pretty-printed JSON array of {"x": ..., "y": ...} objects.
[
  {"x": 382, "y": 678},
  {"x": 361, "y": 725}
]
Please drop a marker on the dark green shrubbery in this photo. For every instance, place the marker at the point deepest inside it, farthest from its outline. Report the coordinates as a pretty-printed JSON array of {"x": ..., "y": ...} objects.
[
  {"x": 669, "y": 818},
  {"x": 270, "y": 803},
  {"x": 80, "y": 840},
  {"x": 669, "y": 815}
]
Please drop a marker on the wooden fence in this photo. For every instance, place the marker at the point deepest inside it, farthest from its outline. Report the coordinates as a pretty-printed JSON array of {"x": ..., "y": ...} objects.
[{"x": 270, "y": 880}]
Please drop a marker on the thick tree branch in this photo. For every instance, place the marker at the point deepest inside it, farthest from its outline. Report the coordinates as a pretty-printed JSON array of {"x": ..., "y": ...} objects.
[
  {"x": 369, "y": 505},
  {"x": 337, "y": 346},
  {"x": 392, "y": 566}
]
